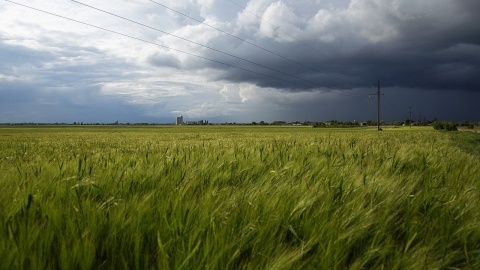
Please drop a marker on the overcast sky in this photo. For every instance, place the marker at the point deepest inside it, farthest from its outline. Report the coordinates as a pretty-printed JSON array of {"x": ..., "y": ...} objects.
[{"x": 239, "y": 60}]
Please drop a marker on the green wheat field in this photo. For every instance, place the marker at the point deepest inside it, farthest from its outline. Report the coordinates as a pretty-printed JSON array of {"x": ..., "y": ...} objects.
[{"x": 230, "y": 197}]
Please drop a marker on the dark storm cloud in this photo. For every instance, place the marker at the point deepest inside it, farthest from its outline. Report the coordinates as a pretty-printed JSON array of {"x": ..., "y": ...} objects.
[
  {"x": 427, "y": 50},
  {"x": 449, "y": 69}
]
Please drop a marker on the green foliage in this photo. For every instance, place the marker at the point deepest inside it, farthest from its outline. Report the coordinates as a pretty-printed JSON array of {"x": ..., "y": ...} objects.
[
  {"x": 237, "y": 198},
  {"x": 447, "y": 126},
  {"x": 335, "y": 124}
]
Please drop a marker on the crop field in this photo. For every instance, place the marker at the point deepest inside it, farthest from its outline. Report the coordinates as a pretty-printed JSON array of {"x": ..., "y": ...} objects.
[{"x": 230, "y": 197}]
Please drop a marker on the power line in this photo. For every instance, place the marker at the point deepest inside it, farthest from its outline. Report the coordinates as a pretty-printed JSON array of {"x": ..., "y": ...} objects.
[
  {"x": 286, "y": 33},
  {"x": 296, "y": 39},
  {"x": 196, "y": 43},
  {"x": 184, "y": 52},
  {"x": 153, "y": 43},
  {"x": 244, "y": 40},
  {"x": 211, "y": 48}
]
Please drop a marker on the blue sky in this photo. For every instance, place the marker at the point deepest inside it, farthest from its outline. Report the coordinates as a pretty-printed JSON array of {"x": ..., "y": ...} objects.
[{"x": 310, "y": 60}]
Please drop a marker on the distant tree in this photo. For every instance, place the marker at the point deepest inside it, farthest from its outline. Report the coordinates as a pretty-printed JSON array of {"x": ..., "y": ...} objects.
[
  {"x": 319, "y": 124},
  {"x": 447, "y": 126}
]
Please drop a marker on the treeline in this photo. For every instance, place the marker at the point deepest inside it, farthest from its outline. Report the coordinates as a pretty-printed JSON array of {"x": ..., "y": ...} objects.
[
  {"x": 448, "y": 126},
  {"x": 452, "y": 126},
  {"x": 338, "y": 124},
  {"x": 82, "y": 124},
  {"x": 440, "y": 125}
]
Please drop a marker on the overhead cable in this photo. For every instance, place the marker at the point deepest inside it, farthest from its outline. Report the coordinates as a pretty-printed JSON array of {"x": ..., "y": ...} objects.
[
  {"x": 199, "y": 44},
  {"x": 184, "y": 52},
  {"x": 244, "y": 40},
  {"x": 283, "y": 32},
  {"x": 156, "y": 44}
]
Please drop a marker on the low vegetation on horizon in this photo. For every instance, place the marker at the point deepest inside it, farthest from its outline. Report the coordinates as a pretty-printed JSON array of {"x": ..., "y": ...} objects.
[{"x": 238, "y": 198}]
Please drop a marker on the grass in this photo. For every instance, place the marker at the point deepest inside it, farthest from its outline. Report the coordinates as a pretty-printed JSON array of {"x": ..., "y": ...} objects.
[
  {"x": 467, "y": 141},
  {"x": 238, "y": 198}
]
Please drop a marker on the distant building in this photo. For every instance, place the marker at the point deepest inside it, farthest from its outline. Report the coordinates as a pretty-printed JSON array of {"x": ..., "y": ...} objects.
[{"x": 179, "y": 120}]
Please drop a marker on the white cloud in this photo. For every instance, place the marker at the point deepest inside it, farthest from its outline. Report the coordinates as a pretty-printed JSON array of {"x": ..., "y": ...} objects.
[
  {"x": 230, "y": 93},
  {"x": 279, "y": 20},
  {"x": 5, "y": 77}
]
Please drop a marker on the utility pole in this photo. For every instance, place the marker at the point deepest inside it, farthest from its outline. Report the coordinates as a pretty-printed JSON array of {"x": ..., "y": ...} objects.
[
  {"x": 378, "y": 94},
  {"x": 410, "y": 117}
]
